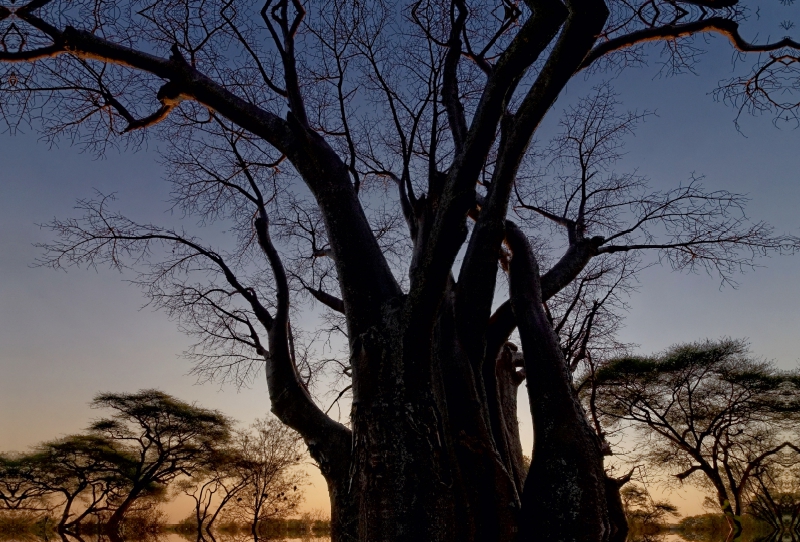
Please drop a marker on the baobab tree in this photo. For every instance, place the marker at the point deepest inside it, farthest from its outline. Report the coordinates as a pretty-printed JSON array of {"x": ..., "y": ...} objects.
[{"x": 315, "y": 130}]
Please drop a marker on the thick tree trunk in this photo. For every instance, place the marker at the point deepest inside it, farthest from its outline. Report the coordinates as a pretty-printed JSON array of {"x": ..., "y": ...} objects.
[
  {"x": 564, "y": 496},
  {"x": 490, "y": 503},
  {"x": 401, "y": 468},
  {"x": 734, "y": 522},
  {"x": 344, "y": 509},
  {"x": 425, "y": 464},
  {"x": 114, "y": 522},
  {"x": 507, "y": 380},
  {"x": 62, "y": 524}
]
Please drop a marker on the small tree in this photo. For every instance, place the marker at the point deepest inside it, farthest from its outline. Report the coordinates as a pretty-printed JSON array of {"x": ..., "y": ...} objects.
[
  {"x": 271, "y": 451},
  {"x": 158, "y": 438},
  {"x": 705, "y": 408},
  {"x": 642, "y": 511},
  {"x": 223, "y": 477}
]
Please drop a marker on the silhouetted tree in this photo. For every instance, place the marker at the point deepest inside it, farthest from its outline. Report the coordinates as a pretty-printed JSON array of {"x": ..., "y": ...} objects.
[
  {"x": 704, "y": 409},
  {"x": 440, "y": 100},
  {"x": 80, "y": 470},
  {"x": 18, "y": 490},
  {"x": 223, "y": 476},
  {"x": 642, "y": 509},
  {"x": 775, "y": 497},
  {"x": 271, "y": 453},
  {"x": 157, "y": 438}
]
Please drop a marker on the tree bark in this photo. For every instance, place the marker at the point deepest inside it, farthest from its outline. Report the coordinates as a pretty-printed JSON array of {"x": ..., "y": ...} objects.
[
  {"x": 564, "y": 496},
  {"x": 114, "y": 522},
  {"x": 490, "y": 492},
  {"x": 504, "y": 379},
  {"x": 734, "y": 522},
  {"x": 616, "y": 511},
  {"x": 401, "y": 468}
]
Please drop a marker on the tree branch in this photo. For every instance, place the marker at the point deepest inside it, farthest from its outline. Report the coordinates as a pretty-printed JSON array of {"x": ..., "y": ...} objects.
[
  {"x": 450, "y": 92},
  {"x": 721, "y": 25}
]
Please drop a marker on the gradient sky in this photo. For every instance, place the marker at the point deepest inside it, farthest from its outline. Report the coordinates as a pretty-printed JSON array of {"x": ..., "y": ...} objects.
[{"x": 66, "y": 336}]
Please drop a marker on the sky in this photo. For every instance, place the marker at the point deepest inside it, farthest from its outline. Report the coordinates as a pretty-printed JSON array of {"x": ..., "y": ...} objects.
[{"x": 65, "y": 336}]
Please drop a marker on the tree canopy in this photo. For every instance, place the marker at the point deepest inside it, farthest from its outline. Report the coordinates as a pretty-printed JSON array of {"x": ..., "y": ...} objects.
[
  {"x": 708, "y": 412},
  {"x": 152, "y": 447},
  {"x": 157, "y": 438}
]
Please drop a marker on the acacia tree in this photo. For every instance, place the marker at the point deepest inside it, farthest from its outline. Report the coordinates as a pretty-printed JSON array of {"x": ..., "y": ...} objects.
[
  {"x": 72, "y": 477},
  {"x": 80, "y": 470},
  {"x": 775, "y": 499},
  {"x": 642, "y": 509},
  {"x": 438, "y": 100},
  {"x": 157, "y": 438},
  {"x": 18, "y": 493},
  {"x": 707, "y": 412}
]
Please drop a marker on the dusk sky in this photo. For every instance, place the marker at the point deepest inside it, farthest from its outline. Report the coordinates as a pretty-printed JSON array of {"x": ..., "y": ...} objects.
[{"x": 64, "y": 336}]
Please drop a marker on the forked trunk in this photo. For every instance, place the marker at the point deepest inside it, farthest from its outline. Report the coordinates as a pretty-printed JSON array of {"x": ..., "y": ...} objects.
[
  {"x": 485, "y": 489},
  {"x": 734, "y": 523},
  {"x": 425, "y": 463},
  {"x": 564, "y": 496},
  {"x": 506, "y": 425}
]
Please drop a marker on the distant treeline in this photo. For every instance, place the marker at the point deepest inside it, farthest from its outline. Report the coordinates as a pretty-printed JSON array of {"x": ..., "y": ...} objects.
[
  {"x": 707, "y": 414},
  {"x": 151, "y": 448}
]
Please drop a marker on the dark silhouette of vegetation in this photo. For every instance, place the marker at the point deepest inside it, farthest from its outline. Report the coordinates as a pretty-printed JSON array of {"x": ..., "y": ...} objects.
[
  {"x": 223, "y": 477},
  {"x": 151, "y": 446},
  {"x": 706, "y": 412},
  {"x": 776, "y": 498},
  {"x": 251, "y": 481},
  {"x": 271, "y": 450},
  {"x": 17, "y": 493},
  {"x": 644, "y": 514},
  {"x": 714, "y": 527},
  {"x": 81, "y": 471},
  {"x": 157, "y": 439},
  {"x": 350, "y": 145}
]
